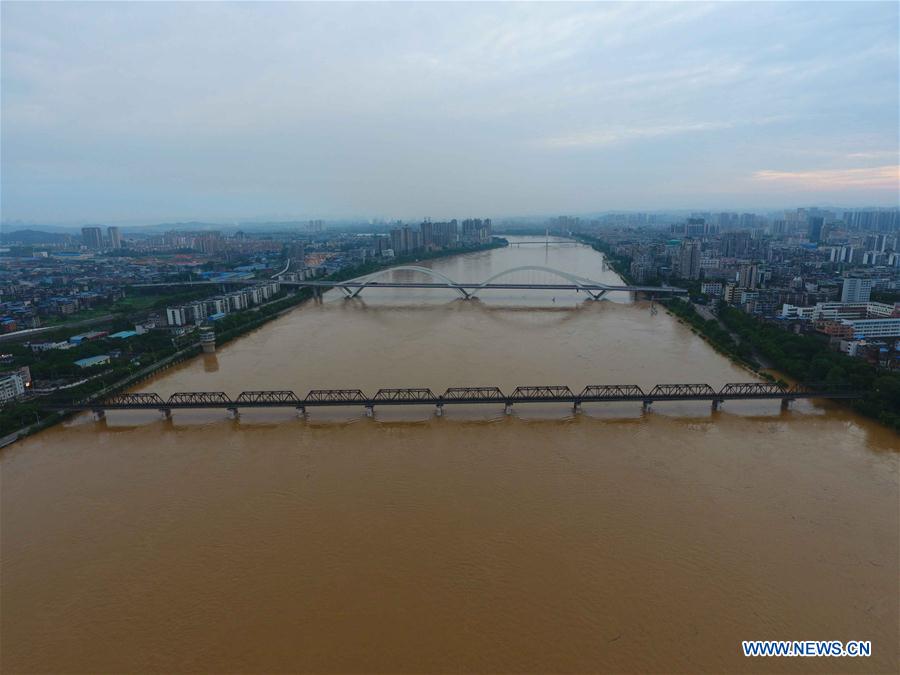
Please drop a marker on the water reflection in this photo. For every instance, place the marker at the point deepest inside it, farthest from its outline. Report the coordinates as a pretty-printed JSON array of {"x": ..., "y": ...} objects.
[{"x": 210, "y": 363}]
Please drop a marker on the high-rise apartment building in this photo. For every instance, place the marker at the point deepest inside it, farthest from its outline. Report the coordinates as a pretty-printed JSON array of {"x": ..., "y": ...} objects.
[
  {"x": 446, "y": 234},
  {"x": 114, "y": 236},
  {"x": 689, "y": 259},
  {"x": 476, "y": 231},
  {"x": 209, "y": 242},
  {"x": 736, "y": 244},
  {"x": 427, "y": 228},
  {"x": 695, "y": 227},
  {"x": 856, "y": 290},
  {"x": 92, "y": 237},
  {"x": 815, "y": 228},
  {"x": 748, "y": 276},
  {"x": 405, "y": 240}
]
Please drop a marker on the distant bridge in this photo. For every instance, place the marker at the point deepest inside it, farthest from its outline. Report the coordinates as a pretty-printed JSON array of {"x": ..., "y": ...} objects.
[
  {"x": 600, "y": 393},
  {"x": 556, "y": 243},
  {"x": 353, "y": 287},
  {"x": 570, "y": 282}
]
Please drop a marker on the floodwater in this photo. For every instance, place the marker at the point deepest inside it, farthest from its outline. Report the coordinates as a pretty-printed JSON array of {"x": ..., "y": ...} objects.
[{"x": 615, "y": 540}]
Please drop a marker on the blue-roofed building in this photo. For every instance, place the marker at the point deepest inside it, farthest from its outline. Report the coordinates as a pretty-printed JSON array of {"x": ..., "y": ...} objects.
[
  {"x": 92, "y": 361},
  {"x": 123, "y": 335}
]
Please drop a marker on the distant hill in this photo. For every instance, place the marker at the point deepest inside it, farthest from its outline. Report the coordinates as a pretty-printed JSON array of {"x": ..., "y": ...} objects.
[{"x": 33, "y": 237}]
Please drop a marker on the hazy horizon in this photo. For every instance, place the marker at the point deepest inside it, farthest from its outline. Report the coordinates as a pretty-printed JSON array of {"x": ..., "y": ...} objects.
[
  {"x": 149, "y": 112},
  {"x": 511, "y": 220}
]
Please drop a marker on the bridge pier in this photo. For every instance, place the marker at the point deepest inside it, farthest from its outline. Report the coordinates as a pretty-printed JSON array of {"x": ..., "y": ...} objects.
[
  {"x": 717, "y": 403},
  {"x": 166, "y": 413},
  {"x": 99, "y": 414},
  {"x": 786, "y": 403},
  {"x": 507, "y": 409},
  {"x": 301, "y": 411},
  {"x": 370, "y": 411},
  {"x": 647, "y": 405},
  {"x": 232, "y": 413},
  {"x": 576, "y": 407},
  {"x": 439, "y": 410}
]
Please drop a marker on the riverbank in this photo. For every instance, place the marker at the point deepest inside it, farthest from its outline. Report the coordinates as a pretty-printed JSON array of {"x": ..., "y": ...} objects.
[
  {"x": 129, "y": 310},
  {"x": 229, "y": 330},
  {"x": 805, "y": 358},
  {"x": 713, "y": 333},
  {"x": 809, "y": 358},
  {"x": 619, "y": 264},
  {"x": 15, "y": 419}
]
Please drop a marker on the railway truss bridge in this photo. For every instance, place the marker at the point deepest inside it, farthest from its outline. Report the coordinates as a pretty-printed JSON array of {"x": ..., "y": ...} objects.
[{"x": 601, "y": 393}]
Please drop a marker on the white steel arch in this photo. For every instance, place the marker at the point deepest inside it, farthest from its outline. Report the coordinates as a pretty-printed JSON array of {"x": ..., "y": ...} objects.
[
  {"x": 412, "y": 268},
  {"x": 582, "y": 282},
  {"x": 571, "y": 278}
]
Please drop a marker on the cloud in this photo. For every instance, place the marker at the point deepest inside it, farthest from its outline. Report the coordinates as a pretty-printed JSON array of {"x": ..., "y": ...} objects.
[
  {"x": 621, "y": 134},
  {"x": 149, "y": 110},
  {"x": 874, "y": 154},
  {"x": 878, "y": 177},
  {"x": 614, "y": 135}
]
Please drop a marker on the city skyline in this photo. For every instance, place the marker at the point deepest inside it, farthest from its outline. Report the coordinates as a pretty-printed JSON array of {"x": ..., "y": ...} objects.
[
  {"x": 392, "y": 337},
  {"x": 407, "y": 111},
  {"x": 511, "y": 220}
]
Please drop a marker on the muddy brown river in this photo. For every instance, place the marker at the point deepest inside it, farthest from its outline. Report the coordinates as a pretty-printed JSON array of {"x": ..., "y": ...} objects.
[{"x": 615, "y": 540}]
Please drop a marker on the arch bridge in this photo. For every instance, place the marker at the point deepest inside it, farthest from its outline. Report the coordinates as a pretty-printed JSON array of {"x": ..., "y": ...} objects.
[{"x": 596, "y": 290}]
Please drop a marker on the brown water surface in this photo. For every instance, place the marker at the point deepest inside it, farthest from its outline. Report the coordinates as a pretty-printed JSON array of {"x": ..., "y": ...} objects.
[{"x": 615, "y": 540}]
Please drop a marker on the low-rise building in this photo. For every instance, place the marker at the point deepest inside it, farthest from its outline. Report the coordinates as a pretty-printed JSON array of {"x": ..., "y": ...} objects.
[
  {"x": 861, "y": 329},
  {"x": 713, "y": 288},
  {"x": 92, "y": 361},
  {"x": 823, "y": 311},
  {"x": 12, "y": 387}
]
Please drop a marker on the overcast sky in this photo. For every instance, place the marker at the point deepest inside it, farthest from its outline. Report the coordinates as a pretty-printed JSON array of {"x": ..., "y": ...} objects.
[{"x": 143, "y": 112}]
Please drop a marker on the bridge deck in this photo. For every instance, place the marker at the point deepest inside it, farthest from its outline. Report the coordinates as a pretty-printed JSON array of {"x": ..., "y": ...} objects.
[
  {"x": 473, "y": 287},
  {"x": 427, "y": 284},
  {"x": 567, "y": 282},
  {"x": 458, "y": 396}
]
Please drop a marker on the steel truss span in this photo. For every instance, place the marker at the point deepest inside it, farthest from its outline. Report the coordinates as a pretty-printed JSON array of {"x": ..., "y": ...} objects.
[{"x": 595, "y": 393}]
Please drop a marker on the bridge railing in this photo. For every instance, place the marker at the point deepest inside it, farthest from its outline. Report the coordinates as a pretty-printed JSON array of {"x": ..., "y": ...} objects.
[
  {"x": 404, "y": 394},
  {"x": 601, "y": 392},
  {"x": 685, "y": 390},
  {"x": 199, "y": 397},
  {"x": 473, "y": 393},
  {"x": 335, "y": 395},
  {"x": 267, "y": 397},
  {"x": 135, "y": 399},
  {"x": 752, "y": 389},
  {"x": 542, "y": 392}
]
